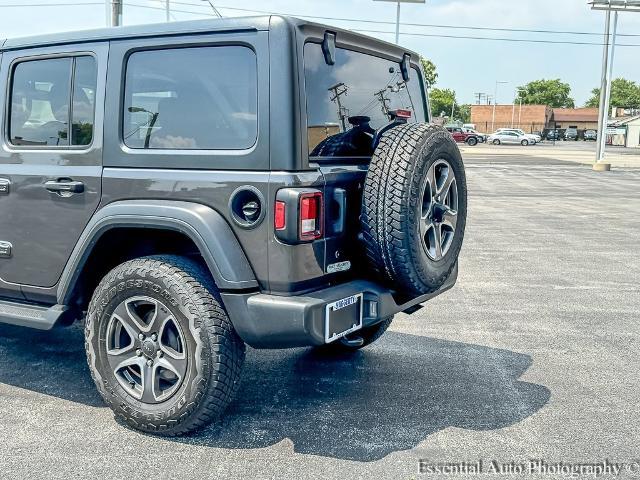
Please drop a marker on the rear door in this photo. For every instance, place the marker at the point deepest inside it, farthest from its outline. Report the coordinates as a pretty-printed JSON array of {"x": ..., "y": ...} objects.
[
  {"x": 347, "y": 104},
  {"x": 51, "y": 157}
]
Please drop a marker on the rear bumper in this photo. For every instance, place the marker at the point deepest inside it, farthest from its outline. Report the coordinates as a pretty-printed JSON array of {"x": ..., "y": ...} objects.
[{"x": 274, "y": 321}]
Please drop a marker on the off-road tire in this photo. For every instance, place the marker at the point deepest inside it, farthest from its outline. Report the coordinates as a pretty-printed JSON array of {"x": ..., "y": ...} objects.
[
  {"x": 369, "y": 335},
  {"x": 214, "y": 351},
  {"x": 392, "y": 204}
]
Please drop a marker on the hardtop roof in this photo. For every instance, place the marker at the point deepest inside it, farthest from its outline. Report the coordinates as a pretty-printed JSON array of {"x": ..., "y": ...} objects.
[{"x": 239, "y": 24}]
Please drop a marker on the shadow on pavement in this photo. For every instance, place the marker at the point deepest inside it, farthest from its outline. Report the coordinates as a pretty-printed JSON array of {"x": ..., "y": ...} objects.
[{"x": 362, "y": 406}]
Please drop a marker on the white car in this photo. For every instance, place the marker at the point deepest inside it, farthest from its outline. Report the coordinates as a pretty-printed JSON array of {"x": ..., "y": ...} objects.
[
  {"x": 508, "y": 137},
  {"x": 533, "y": 138}
]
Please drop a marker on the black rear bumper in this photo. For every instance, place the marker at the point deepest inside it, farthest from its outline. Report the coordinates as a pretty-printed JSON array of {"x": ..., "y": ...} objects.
[{"x": 274, "y": 321}]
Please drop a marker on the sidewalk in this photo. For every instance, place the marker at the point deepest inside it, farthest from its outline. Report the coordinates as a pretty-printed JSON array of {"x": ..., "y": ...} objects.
[{"x": 627, "y": 158}]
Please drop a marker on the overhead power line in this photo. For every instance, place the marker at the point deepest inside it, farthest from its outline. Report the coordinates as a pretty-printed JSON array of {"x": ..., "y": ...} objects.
[{"x": 408, "y": 24}]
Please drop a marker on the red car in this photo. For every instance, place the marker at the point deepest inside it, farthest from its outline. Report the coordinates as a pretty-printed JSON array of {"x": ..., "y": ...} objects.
[{"x": 459, "y": 135}]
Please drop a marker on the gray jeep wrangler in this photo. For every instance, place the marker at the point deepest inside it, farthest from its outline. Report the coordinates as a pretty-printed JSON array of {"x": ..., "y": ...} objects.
[{"x": 189, "y": 188}]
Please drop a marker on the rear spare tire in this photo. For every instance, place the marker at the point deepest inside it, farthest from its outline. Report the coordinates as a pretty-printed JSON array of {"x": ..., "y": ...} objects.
[{"x": 414, "y": 207}]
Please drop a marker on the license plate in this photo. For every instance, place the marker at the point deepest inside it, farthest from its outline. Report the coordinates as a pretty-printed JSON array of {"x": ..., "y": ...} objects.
[{"x": 343, "y": 317}]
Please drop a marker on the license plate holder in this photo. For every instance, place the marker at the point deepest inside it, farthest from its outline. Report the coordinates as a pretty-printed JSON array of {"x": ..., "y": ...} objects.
[{"x": 343, "y": 317}]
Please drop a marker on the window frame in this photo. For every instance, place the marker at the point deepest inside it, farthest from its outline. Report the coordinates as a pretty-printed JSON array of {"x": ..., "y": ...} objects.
[{"x": 9, "y": 97}]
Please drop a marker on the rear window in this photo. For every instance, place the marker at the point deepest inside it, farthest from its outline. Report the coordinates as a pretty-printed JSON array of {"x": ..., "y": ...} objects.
[
  {"x": 191, "y": 99},
  {"x": 349, "y": 101}
]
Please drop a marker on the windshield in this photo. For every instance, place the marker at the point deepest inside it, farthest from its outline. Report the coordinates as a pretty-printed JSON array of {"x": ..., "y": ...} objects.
[{"x": 349, "y": 101}]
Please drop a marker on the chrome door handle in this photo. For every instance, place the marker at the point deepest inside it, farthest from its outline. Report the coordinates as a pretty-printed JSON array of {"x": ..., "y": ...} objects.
[{"x": 64, "y": 185}]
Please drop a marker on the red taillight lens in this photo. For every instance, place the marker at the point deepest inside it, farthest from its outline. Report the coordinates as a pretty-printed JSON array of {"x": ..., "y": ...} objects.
[
  {"x": 310, "y": 216},
  {"x": 401, "y": 113},
  {"x": 280, "y": 219}
]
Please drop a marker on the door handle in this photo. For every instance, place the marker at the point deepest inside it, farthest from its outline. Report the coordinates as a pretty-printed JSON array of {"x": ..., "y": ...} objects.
[{"x": 64, "y": 186}]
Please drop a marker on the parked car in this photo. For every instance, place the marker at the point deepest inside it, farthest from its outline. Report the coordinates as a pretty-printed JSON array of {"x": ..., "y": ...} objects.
[
  {"x": 532, "y": 137},
  {"x": 166, "y": 200},
  {"x": 482, "y": 137},
  {"x": 571, "y": 134},
  {"x": 555, "y": 135},
  {"x": 508, "y": 137},
  {"x": 460, "y": 135},
  {"x": 590, "y": 135}
]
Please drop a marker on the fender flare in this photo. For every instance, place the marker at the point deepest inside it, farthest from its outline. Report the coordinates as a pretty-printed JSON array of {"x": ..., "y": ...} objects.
[{"x": 206, "y": 227}]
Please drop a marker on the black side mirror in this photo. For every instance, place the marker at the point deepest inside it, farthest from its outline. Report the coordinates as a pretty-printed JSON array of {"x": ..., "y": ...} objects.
[
  {"x": 329, "y": 48},
  {"x": 405, "y": 66}
]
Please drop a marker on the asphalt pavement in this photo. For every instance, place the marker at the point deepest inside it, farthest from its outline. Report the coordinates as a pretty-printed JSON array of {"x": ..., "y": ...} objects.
[{"x": 533, "y": 355}]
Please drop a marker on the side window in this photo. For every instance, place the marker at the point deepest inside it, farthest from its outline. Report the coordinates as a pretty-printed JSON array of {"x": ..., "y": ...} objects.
[
  {"x": 201, "y": 98},
  {"x": 40, "y": 102},
  {"x": 41, "y": 92},
  {"x": 84, "y": 100}
]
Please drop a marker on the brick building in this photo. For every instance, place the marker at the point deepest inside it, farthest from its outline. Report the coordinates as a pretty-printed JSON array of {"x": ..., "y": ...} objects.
[
  {"x": 530, "y": 118},
  {"x": 580, "y": 118}
]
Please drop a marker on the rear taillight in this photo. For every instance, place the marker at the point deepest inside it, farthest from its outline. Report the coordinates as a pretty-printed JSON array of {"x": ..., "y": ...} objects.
[
  {"x": 310, "y": 216},
  {"x": 280, "y": 221}
]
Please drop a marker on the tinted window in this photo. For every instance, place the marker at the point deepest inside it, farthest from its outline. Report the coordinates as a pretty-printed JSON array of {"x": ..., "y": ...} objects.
[
  {"x": 84, "y": 100},
  {"x": 348, "y": 101},
  {"x": 40, "y": 98},
  {"x": 40, "y": 102},
  {"x": 191, "y": 98}
]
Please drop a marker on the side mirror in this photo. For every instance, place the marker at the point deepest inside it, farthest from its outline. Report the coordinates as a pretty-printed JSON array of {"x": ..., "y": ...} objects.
[
  {"x": 405, "y": 65},
  {"x": 329, "y": 48}
]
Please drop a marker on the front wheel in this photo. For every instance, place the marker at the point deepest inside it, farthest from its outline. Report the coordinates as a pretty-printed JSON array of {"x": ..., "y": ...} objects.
[
  {"x": 524, "y": 143},
  {"x": 496, "y": 142},
  {"x": 160, "y": 347}
]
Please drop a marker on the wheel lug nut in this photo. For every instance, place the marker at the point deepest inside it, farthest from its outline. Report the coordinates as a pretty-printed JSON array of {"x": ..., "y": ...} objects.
[
  {"x": 150, "y": 362},
  {"x": 141, "y": 336},
  {"x": 160, "y": 354},
  {"x": 139, "y": 352},
  {"x": 154, "y": 337}
]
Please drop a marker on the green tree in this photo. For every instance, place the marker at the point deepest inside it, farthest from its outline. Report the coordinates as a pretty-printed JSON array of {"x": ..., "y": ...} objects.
[
  {"x": 553, "y": 92},
  {"x": 624, "y": 93},
  {"x": 463, "y": 113},
  {"x": 442, "y": 100},
  {"x": 429, "y": 71}
]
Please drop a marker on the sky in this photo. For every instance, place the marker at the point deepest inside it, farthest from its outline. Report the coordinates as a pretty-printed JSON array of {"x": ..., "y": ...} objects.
[{"x": 465, "y": 65}]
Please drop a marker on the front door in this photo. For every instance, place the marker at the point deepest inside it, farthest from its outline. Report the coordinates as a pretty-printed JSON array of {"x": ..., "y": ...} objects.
[{"x": 50, "y": 157}]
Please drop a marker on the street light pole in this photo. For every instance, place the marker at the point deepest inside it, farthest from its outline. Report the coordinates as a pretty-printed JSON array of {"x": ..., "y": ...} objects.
[
  {"x": 168, "y": 10},
  {"x": 604, "y": 85},
  {"x": 495, "y": 101},
  {"x": 607, "y": 69}
]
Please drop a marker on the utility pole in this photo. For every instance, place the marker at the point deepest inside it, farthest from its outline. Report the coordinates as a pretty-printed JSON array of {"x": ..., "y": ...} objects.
[
  {"x": 338, "y": 90},
  {"x": 116, "y": 13},
  {"x": 383, "y": 101}
]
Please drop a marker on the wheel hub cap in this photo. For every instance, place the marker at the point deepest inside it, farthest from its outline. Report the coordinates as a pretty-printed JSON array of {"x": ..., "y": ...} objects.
[
  {"x": 439, "y": 213},
  {"x": 146, "y": 349}
]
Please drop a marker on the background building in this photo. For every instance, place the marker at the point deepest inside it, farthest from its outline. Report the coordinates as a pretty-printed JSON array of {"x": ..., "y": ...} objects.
[
  {"x": 580, "y": 118},
  {"x": 530, "y": 118}
]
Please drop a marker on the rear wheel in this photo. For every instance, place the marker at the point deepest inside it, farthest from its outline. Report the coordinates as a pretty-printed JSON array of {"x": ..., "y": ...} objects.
[
  {"x": 472, "y": 141},
  {"x": 161, "y": 349}
]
